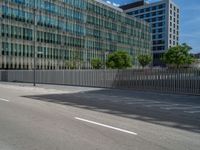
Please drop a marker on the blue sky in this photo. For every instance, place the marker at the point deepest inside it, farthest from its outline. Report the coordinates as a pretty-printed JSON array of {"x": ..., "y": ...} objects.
[{"x": 190, "y": 21}]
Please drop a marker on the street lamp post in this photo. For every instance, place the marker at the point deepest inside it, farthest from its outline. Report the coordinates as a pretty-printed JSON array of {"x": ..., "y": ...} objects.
[
  {"x": 35, "y": 47},
  {"x": 105, "y": 57}
]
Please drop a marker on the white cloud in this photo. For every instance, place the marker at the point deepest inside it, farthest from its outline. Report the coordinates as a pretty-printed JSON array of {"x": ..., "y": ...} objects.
[
  {"x": 108, "y": 2},
  {"x": 114, "y": 4},
  {"x": 117, "y": 5}
]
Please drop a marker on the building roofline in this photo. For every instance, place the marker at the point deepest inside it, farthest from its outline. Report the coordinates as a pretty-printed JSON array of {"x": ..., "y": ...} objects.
[
  {"x": 122, "y": 11},
  {"x": 132, "y": 5},
  {"x": 145, "y": 3},
  {"x": 109, "y": 5}
]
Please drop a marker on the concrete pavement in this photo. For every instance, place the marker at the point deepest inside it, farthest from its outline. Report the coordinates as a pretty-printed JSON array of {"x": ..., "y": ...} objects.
[{"x": 57, "y": 117}]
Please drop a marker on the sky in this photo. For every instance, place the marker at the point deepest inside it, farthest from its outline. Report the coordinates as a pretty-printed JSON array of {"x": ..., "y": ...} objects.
[{"x": 190, "y": 21}]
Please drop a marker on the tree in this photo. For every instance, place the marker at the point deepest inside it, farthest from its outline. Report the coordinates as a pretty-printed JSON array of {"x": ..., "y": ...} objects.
[
  {"x": 71, "y": 64},
  {"x": 178, "y": 56},
  {"x": 119, "y": 60},
  {"x": 75, "y": 62},
  {"x": 96, "y": 63},
  {"x": 144, "y": 60}
]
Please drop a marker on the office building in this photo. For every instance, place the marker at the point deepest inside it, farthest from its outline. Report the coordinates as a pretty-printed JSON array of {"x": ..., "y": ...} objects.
[
  {"x": 164, "y": 19},
  {"x": 197, "y": 55},
  {"x": 60, "y": 31}
]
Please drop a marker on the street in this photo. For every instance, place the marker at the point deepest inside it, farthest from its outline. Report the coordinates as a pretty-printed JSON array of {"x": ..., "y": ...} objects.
[{"x": 52, "y": 117}]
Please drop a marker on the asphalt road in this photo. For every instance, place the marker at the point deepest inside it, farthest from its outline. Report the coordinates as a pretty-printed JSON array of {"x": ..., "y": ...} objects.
[{"x": 74, "y": 118}]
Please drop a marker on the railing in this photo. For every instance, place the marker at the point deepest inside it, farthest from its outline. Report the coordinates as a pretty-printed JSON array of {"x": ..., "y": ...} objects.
[{"x": 162, "y": 80}]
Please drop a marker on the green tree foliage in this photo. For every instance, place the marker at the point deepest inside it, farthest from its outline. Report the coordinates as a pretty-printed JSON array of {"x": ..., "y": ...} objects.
[
  {"x": 71, "y": 64},
  {"x": 144, "y": 60},
  {"x": 96, "y": 63},
  {"x": 119, "y": 60},
  {"x": 75, "y": 62},
  {"x": 178, "y": 56}
]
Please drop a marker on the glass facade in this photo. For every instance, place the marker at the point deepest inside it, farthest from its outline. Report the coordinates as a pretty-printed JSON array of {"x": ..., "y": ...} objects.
[
  {"x": 163, "y": 17},
  {"x": 156, "y": 16},
  {"x": 66, "y": 30}
]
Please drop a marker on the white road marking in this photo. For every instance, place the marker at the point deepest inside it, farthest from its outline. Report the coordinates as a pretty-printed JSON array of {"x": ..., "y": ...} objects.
[
  {"x": 130, "y": 103},
  {"x": 107, "y": 126},
  {"x": 157, "y": 105},
  {"x": 5, "y": 100},
  {"x": 184, "y": 108},
  {"x": 141, "y": 103},
  {"x": 181, "y": 108},
  {"x": 193, "y": 112}
]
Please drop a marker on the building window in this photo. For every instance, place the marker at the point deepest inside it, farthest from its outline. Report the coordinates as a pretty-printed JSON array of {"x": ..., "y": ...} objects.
[
  {"x": 174, "y": 8},
  {"x": 160, "y": 30},
  {"x": 148, "y": 15},
  {"x": 154, "y": 14},
  {"x": 153, "y": 20},
  {"x": 147, "y": 9},
  {"x": 130, "y": 13},
  {"x": 142, "y": 10},
  {"x": 161, "y": 6},
  {"x": 160, "y": 36},
  {"x": 154, "y": 48},
  {"x": 160, "y": 24},
  {"x": 160, "y": 12},
  {"x": 142, "y": 16},
  {"x": 148, "y": 20},
  {"x": 160, "y": 18},
  {"x": 154, "y": 8}
]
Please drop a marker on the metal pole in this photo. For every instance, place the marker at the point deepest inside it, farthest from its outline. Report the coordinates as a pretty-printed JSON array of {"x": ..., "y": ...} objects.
[
  {"x": 105, "y": 60},
  {"x": 35, "y": 48}
]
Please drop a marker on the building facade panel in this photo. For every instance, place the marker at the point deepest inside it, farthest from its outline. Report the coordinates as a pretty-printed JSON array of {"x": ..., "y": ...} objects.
[{"x": 60, "y": 31}]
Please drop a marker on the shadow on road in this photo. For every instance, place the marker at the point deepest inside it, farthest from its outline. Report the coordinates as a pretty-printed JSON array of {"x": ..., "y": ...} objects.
[{"x": 132, "y": 104}]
